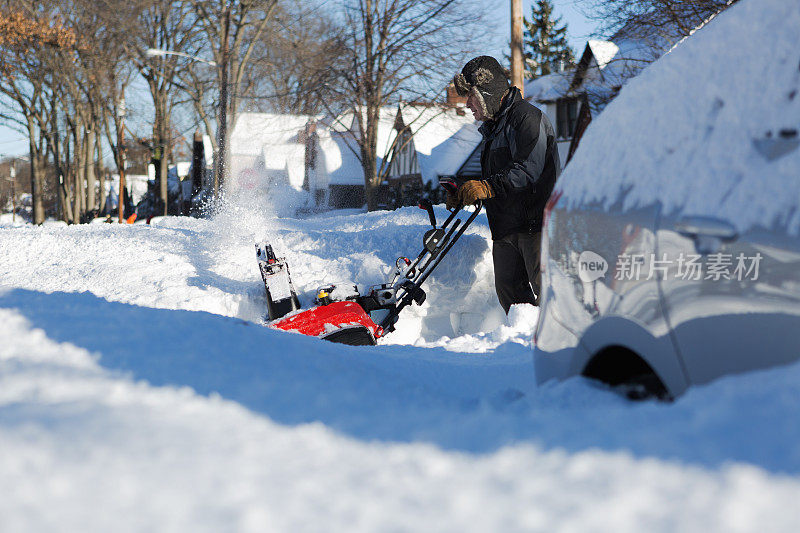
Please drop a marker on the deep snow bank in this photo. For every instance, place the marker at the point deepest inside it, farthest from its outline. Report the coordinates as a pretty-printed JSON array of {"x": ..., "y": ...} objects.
[
  {"x": 166, "y": 415},
  {"x": 165, "y": 412},
  {"x": 209, "y": 265},
  {"x": 125, "y": 418}
]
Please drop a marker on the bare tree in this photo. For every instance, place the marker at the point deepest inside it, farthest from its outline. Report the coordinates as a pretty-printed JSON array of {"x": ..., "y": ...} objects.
[
  {"x": 164, "y": 25},
  {"x": 399, "y": 49},
  {"x": 111, "y": 71},
  {"x": 663, "y": 22},
  {"x": 296, "y": 59},
  {"x": 79, "y": 93},
  {"x": 29, "y": 33},
  {"x": 231, "y": 30},
  {"x": 64, "y": 91}
]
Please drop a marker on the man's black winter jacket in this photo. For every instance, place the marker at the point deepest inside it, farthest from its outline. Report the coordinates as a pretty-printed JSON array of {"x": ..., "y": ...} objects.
[{"x": 520, "y": 162}]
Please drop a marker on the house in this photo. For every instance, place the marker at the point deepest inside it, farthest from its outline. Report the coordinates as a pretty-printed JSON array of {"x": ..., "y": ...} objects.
[
  {"x": 337, "y": 173},
  {"x": 572, "y": 97},
  {"x": 267, "y": 150},
  {"x": 417, "y": 143},
  {"x": 551, "y": 94},
  {"x": 433, "y": 141}
]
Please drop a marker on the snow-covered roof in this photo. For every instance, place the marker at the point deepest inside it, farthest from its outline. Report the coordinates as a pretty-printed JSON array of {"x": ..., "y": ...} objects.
[
  {"x": 386, "y": 131},
  {"x": 339, "y": 164},
  {"x": 601, "y": 78},
  {"x": 602, "y": 64},
  {"x": 253, "y": 131},
  {"x": 443, "y": 138},
  {"x": 603, "y": 51},
  {"x": 550, "y": 87},
  {"x": 604, "y": 67},
  {"x": 269, "y": 143}
]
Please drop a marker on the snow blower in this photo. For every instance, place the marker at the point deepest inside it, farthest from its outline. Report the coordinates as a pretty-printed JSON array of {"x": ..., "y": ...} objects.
[{"x": 340, "y": 314}]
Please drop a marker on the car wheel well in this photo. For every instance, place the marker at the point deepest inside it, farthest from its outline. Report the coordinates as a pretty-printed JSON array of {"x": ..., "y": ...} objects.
[{"x": 624, "y": 370}]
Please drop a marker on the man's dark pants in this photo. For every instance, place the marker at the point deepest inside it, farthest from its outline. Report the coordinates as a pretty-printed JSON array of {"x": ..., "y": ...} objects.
[{"x": 516, "y": 268}]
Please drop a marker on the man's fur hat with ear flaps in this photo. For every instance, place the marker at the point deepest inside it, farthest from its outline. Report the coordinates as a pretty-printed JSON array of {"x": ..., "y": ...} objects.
[{"x": 484, "y": 78}]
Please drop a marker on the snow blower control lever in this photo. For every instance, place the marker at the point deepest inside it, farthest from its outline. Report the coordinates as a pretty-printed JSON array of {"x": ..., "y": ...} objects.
[
  {"x": 341, "y": 313},
  {"x": 406, "y": 286},
  {"x": 428, "y": 206}
]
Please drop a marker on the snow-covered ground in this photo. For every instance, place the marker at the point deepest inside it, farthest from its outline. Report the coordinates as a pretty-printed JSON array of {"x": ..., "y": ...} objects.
[{"x": 140, "y": 391}]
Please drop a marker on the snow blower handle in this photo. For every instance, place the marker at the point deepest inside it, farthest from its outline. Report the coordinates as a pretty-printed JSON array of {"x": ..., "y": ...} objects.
[
  {"x": 413, "y": 287},
  {"x": 449, "y": 185},
  {"x": 428, "y": 206}
]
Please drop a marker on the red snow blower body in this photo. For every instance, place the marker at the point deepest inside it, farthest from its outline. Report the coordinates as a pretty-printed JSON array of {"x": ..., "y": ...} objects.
[
  {"x": 340, "y": 313},
  {"x": 343, "y": 322}
]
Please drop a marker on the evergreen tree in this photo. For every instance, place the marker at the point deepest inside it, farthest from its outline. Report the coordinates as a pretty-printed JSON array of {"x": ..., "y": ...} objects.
[{"x": 546, "y": 47}]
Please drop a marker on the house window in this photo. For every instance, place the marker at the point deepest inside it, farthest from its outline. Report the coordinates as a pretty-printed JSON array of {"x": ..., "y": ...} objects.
[{"x": 567, "y": 117}]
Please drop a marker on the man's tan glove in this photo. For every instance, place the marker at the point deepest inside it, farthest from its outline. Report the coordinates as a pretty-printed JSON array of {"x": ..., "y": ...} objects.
[{"x": 474, "y": 190}]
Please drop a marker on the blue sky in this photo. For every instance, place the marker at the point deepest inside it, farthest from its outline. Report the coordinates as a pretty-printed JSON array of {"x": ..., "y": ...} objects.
[
  {"x": 12, "y": 143},
  {"x": 579, "y": 28},
  {"x": 498, "y": 13}
]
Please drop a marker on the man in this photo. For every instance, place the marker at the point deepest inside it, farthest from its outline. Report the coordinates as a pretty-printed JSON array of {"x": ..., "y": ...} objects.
[{"x": 519, "y": 167}]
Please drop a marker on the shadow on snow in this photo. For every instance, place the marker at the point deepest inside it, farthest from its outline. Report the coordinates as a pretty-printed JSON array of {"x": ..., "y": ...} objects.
[{"x": 471, "y": 403}]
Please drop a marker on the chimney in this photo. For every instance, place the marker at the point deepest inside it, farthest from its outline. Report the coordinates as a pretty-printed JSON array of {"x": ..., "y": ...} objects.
[
  {"x": 307, "y": 132},
  {"x": 453, "y": 98}
]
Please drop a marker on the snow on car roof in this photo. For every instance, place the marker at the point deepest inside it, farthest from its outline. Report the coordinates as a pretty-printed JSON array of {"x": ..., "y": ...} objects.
[{"x": 686, "y": 132}]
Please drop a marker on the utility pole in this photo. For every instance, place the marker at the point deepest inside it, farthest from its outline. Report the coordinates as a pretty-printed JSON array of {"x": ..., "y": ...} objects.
[
  {"x": 121, "y": 156},
  {"x": 517, "y": 66},
  {"x": 222, "y": 128}
]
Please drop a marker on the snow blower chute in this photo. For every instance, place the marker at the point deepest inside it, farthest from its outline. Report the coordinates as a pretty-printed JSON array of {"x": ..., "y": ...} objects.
[{"x": 340, "y": 314}]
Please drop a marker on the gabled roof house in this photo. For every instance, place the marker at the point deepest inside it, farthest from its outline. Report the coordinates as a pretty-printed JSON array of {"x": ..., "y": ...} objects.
[
  {"x": 267, "y": 150},
  {"x": 572, "y": 97}
]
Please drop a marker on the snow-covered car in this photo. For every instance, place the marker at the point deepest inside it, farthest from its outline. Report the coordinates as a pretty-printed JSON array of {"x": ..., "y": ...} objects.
[{"x": 671, "y": 246}]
